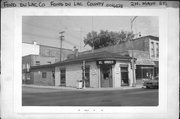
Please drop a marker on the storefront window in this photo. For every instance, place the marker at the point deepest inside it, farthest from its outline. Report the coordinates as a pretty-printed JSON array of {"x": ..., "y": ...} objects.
[
  {"x": 144, "y": 72},
  {"x": 124, "y": 76}
]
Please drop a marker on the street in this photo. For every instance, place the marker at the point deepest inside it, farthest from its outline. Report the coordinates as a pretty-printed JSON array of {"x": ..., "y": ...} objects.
[{"x": 79, "y": 97}]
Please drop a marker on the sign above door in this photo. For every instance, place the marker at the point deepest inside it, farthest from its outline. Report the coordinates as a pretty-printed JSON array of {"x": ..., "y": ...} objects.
[{"x": 105, "y": 62}]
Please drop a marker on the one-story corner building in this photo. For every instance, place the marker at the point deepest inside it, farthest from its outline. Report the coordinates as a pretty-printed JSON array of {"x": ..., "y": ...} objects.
[{"x": 102, "y": 69}]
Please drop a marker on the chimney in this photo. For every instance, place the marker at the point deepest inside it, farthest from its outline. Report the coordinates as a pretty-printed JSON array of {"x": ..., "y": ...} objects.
[
  {"x": 34, "y": 43},
  {"x": 75, "y": 51},
  {"x": 139, "y": 35}
]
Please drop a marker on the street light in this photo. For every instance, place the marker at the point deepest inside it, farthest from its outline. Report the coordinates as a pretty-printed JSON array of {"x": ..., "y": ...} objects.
[{"x": 132, "y": 50}]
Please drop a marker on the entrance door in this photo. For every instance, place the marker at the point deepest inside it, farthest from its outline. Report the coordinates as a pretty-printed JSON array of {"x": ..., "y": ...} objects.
[
  {"x": 87, "y": 79},
  {"x": 124, "y": 76},
  {"x": 63, "y": 77},
  {"x": 106, "y": 76}
]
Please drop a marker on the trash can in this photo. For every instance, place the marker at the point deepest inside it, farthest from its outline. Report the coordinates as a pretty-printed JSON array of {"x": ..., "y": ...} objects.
[{"x": 79, "y": 84}]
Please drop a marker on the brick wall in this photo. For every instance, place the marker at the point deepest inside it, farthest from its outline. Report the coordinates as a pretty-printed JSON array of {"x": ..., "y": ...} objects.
[
  {"x": 27, "y": 60},
  {"x": 57, "y": 76},
  {"x": 116, "y": 75},
  {"x": 48, "y": 51},
  {"x": 130, "y": 75},
  {"x": 36, "y": 76},
  {"x": 139, "y": 54},
  {"x": 42, "y": 60},
  {"x": 31, "y": 60},
  {"x": 73, "y": 74},
  {"x": 94, "y": 75},
  {"x": 141, "y": 44}
]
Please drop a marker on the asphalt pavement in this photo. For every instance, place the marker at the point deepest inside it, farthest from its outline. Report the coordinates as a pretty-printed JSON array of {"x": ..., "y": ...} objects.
[{"x": 32, "y": 96}]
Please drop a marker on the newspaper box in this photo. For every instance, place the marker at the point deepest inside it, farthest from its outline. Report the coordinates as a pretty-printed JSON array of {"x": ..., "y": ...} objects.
[{"x": 79, "y": 84}]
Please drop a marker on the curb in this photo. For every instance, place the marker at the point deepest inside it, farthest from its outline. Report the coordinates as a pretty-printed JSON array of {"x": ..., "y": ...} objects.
[{"x": 82, "y": 89}]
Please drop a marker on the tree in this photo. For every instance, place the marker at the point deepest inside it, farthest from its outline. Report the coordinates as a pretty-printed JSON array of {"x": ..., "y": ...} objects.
[{"x": 106, "y": 38}]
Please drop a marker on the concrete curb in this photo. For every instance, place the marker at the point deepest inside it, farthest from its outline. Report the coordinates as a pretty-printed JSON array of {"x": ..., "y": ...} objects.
[
  {"x": 48, "y": 87},
  {"x": 82, "y": 89}
]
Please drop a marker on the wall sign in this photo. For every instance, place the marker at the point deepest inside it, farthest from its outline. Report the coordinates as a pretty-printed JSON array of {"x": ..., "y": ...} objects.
[{"x": 105, "y": 62}]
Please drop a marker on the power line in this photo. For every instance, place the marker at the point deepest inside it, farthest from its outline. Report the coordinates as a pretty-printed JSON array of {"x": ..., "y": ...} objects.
[
  {"x": 42, "y": 27},
  {"x": 57, "y": 30},
  {"x": 47, "y": 37}
]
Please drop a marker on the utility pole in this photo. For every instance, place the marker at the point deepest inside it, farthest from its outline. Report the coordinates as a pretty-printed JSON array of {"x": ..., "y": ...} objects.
[
  {"x": 92, "y": 32},
  {"x": 61, "y": 39},
  {"x": 84, "y": 74},
  {"x": 133, "y": 68}
]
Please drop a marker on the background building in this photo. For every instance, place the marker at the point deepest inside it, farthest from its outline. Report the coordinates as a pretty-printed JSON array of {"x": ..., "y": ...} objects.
[
  {"x": 146, "y": 51},
  {"x": 34, "y": 55}
]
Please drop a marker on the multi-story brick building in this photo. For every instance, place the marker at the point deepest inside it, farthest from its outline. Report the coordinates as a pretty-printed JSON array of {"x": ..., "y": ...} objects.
[
  {"x": 49, "y": 51},
  {"x": 33, "y": 60},
  {"x": 43, "y": 55}
]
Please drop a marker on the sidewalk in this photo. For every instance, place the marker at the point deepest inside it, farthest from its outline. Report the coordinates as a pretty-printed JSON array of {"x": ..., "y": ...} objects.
[{"x": 83, "y": 89}]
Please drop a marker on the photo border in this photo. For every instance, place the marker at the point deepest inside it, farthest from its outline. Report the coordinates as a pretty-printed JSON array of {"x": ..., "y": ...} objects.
[{"x": 163, "y": 23}]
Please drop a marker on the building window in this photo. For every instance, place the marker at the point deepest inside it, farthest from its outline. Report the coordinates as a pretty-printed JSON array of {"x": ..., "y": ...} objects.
[
  {"x": 24, "y": 66},
  {"x": 37, "y": 62},
  {"x": 44, "y": 74},
  {"x": 124, "y": 76},
  {"x": 49, "y": 62},
  {"x": 157, "y": 50},
  {"x": 152, "y": 49},
  {"x": 63, "y": 77}
]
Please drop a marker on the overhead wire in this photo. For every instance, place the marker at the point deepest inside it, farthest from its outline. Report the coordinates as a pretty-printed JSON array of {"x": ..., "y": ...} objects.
[
  {"x": 42, "y": 27},
  {"x": 47, "y": 37}
]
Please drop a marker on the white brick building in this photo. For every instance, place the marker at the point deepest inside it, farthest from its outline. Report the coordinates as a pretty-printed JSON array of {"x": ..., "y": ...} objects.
[{"x": 103, "y": 69}]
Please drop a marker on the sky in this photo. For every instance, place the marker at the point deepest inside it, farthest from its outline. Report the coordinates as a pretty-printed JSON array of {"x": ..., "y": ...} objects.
[{"x": 45, "y": 29}]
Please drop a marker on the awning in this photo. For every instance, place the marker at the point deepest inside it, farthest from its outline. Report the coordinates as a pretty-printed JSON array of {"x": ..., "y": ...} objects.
[
  {"x": 156, "y": 63},
  {"x": 145, "y": 62}
]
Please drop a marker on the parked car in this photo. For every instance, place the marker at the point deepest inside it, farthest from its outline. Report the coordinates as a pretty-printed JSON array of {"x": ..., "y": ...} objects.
[{"x": 152, "y": 83}]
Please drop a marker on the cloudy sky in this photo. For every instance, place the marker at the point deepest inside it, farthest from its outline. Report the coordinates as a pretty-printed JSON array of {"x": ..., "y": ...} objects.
[{"x": 45, "y": 30}]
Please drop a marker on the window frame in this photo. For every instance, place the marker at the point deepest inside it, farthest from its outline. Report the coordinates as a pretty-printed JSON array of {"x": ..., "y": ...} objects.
[
  {"x": 152, "y": 49},
  {"x": 157, "y": 49},
  {"x": 63, "y": 75},
  {"x": 37, "y": 63},
  {"x": 44, "y": 75}
]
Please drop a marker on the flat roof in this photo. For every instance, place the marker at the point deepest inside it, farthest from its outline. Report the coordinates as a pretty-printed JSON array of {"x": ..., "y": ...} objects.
[
  {"x": 88, "y": 58},
  {"x": 149, "y": 36},
  {"x": 104, "y": 55}
]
